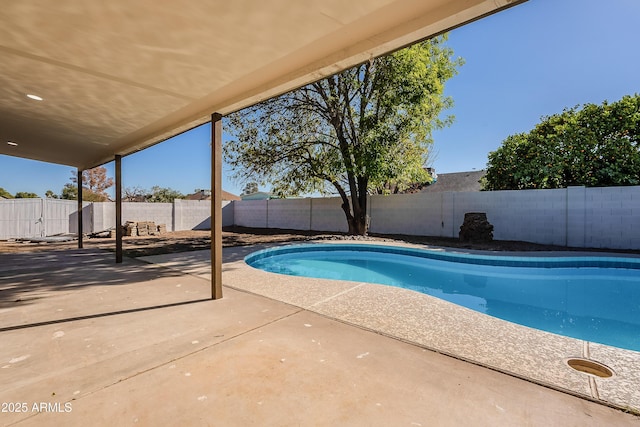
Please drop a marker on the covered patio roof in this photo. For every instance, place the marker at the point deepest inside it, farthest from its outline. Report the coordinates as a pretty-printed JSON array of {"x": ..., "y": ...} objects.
[{"x": 116, "y": 77}]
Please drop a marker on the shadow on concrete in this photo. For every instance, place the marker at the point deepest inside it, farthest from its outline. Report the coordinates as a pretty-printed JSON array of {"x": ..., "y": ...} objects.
[
  {"x": 27, "y": 277},
  {"x": 94, "y": 316}
]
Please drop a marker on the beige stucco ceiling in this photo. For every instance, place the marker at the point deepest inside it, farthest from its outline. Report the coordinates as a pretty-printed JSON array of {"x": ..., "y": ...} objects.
[{"x": 118, "y": 76}]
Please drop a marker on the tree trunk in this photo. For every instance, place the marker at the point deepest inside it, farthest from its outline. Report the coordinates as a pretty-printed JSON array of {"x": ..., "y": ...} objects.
[
  {"x": 358, "y": 226},
  {"x": 359, "y": 202},
  {"x": 356, "y": 219}
]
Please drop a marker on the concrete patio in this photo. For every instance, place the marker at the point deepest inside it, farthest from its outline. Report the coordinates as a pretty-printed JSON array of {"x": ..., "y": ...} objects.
[{"x": 88, "y": 342}]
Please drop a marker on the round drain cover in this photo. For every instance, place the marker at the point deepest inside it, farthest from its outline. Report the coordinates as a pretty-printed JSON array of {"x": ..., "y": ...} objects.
[{"x": 590, "y": 367}]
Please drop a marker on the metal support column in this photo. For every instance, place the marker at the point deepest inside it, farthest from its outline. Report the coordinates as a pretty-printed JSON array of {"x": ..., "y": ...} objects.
[
  {"x": 216, "y": 206},
  {"x": 80, "y": 230},
  {"x": 118, "y": 208}
]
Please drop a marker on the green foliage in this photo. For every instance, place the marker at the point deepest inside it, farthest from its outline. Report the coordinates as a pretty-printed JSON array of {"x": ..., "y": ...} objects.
[
  {"x": 4, "y": 193},
  {"x": 26, "y": 195},
  {"x": 157, "y": 194},
  {"x": 163, "y": 195},
  {"x": 250, "y": 188},
  {"x": 69, "y": 192},
  {"x": 596, "y": 146},
  {"x": 351, "y": 133},
  {"x": 90, "y": 196},
  {"x": 51, "y": 195}
]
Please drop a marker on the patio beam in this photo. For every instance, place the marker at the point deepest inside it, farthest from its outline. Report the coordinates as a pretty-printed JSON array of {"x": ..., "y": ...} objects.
[
  {"x": 216, "y": 206},
  {"x": 80, "y": 230},
  {"x": 118, "y": 208}
]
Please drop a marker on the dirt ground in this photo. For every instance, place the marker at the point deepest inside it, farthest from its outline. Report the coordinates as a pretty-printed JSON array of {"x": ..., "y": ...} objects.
[{"x": 182, "y": 241}]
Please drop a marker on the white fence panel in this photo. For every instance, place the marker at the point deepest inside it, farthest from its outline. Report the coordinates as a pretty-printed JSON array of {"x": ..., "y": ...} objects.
[
  {"x": 189, "y": 214},
  {"x": 21, "y": 218},
  {"x": 417, "y": 214},
  {"x": 160, "y": 213},
  {"x": 196, "y": 214},
  {"x": 327, "y": 215},
  {"x": 56, "y": 216},
  {"x": 530, "y": 215},
  {"x": 250, "y": 213},
  {"x": 575, "y": 216},
  {"x": 293, "y": 214},
  {"x": 103, "y": 215},
  {"x": 612, "y": 217}
]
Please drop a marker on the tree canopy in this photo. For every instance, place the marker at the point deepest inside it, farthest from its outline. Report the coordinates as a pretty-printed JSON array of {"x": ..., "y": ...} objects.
[
  {"x": 595, "y": 146},
  {"x": 4, "y": 193},
  {"x": 351, "y": 133},
  {"x": 26, "y": 195},
  {"x": 157, "y": 194},
  {"x": 250, "y": 188},
  {"x": 163, "y": 195},
  {"x": 94, "y": 185}
]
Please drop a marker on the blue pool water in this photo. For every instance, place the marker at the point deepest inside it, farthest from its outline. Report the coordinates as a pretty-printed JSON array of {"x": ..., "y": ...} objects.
[{"x": 590, "y": 298}]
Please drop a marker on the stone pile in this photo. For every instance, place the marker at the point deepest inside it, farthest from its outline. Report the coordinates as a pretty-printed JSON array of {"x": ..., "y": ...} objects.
[
  {"x": 143, "y": 228},
  {"x": 130, "y": 228},
  {"x": 476, "y": 228},
  {"x": 147, "y": 228}
]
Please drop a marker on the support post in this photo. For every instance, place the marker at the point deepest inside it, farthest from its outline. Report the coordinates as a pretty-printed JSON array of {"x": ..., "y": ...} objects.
[
  {"x": 118, "y": 208},
  {"x": 216, "y": 206},
  {"x": 80, "y": 230}
]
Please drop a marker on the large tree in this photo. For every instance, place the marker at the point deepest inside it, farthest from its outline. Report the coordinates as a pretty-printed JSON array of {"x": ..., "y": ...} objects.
[
  {"x": 351, "y": 133},
  {"x": 94, "y": 185},
  {"x": 595, "y": 146}
]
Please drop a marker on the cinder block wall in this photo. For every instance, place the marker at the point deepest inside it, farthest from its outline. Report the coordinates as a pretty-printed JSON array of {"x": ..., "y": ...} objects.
[
  {"x": 327, "y": 215},
  {"x": 250, "y": 213},
  {"x": 612, "y": 217},
  {"x": 103, "y": 214},
  {"x": 576, "y": 216},
  {"x": 190, "y": 214},
  {"x": 537, "y": 216},
  {"x": 417, "y": 214},
  {"x": 294, "y": 214},
  {"x": 196, "y": 214},
  {"x": 530, "y": 215}
]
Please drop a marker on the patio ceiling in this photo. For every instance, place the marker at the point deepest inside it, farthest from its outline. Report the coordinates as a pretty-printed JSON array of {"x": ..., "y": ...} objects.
[{"x": 119, "y": 76}]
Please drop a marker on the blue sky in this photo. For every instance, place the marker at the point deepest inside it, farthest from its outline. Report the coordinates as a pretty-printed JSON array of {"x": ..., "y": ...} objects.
[{"x": 527, "y": 62}]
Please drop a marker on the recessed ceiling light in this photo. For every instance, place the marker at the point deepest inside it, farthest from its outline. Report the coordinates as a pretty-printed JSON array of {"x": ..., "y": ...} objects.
[
  {"x": 35, "y": 97},
  {"x": 11, "y": 143}
]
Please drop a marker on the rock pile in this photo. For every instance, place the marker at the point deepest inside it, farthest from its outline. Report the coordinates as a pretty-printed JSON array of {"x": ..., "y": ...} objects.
[
  {"x": 146, "y": 228},
  {"x": 143, "y": 228},
  {"x": 476, "y": 228},
  {"x": 130, "y": 229}
]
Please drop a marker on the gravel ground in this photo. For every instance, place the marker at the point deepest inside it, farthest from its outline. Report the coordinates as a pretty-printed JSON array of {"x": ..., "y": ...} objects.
[{"x": 181, "y": 241}]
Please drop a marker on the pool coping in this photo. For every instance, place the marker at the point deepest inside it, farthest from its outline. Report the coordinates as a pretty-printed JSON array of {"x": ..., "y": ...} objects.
[{"x": 419, "y": 319}]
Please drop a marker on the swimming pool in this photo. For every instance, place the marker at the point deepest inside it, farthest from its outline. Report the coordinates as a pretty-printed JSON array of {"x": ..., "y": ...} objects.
[{"x": 590, "y": 298}]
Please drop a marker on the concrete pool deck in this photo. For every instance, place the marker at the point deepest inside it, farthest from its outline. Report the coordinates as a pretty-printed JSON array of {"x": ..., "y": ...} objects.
[{"x": 139, "y": 343}]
